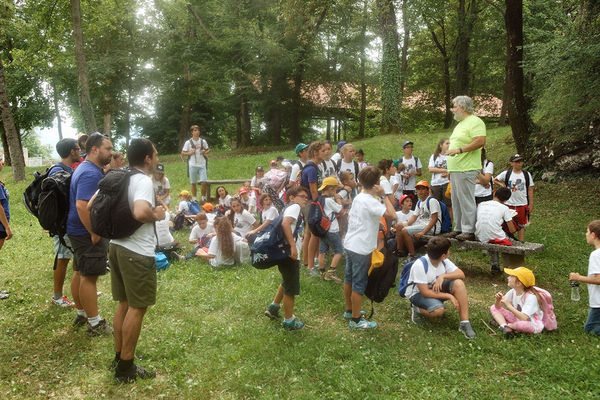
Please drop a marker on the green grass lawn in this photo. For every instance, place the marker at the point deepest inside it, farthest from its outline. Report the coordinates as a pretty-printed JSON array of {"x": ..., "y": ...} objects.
[{"x": 207, "y": 336}]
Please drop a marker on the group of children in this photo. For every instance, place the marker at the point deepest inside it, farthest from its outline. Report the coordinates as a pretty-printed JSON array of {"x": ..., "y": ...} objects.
[{"x": 356, "y": 196}]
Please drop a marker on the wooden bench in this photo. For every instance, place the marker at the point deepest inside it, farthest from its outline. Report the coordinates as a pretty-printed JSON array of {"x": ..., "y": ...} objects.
[
  {"x": 222, "y": 182},
  {"x": 512, "y": 256}
]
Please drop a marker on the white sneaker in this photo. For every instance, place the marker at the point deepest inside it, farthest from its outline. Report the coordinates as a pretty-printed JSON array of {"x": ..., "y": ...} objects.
[{"x": 63, "y": 302}]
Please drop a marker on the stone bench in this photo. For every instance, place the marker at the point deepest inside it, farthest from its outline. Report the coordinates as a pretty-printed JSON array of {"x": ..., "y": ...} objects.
[{"x": 512, "y": 256}]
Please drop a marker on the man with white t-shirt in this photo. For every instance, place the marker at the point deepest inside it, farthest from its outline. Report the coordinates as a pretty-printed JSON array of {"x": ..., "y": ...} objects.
[
  {"x": 412, "y": 170},
  {"x": 133, "y": 267},
  {"x": 196, "y": 149}
]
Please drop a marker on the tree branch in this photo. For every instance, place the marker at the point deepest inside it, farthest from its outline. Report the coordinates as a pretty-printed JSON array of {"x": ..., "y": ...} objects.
[
  {"x": 496, "y": 6},
  {"x": 195, "y": 14}
]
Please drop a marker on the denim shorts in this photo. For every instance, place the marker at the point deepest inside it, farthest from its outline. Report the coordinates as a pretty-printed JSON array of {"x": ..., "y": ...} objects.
[
  {"x": 592, "y": 325},
  {"x": 412, "y": 229},
  {"x": 429, "y": 303},
  {"x": 357, "y": 271},
  {"x": 62, "y": 252},
  {"x": 332, "y": 240},
  {"x": 197, "y": 174}
]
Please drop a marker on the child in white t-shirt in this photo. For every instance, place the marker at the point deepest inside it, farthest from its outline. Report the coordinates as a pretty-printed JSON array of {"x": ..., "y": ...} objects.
[
  {"x": 162, "y": 187},
  {"x": 361, "y": 241},
  {"x": 388, "y": 169},
  {"x": 184, "y": 198},
  {"x": 201, "y": 234},
  {"x": 222, "y": 247},
  {"x": 269, "y": 213},
  {"x": 440, "y": 177},
  {"x": 248, "y": 201},
  {"x": 333, "y": 206},
  {"x": 397, "y": 181},
  {"x": 592, "y": 325},
  {"x": 406, "y": 212},
  {"x": 223, "y": 197},
  {"x": 348, "y": 184},
  {"x": 520, "y": 182},
  {"x": 519, "y": 309},
  {"x": 491, "y": 217},
  {"x": 241, "y": 220},
  {"x": 434, "y": 279},
  {"x": 483, "y": 183}
]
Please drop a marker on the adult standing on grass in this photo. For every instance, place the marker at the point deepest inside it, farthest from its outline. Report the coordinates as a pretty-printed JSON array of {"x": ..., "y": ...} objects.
[
  {"x": 196, "y": 149},
  {"x": 464, "y": 164},
  {"x": 69, "y": 152},
  {"x": 133, "y": 267},
  {"x": 89, "y": 249},
  {"x": 5, "y": 231}
]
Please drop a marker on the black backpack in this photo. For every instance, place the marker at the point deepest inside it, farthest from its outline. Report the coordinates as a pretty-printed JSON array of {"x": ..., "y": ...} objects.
[
  {"x": 110, "y": 214},
  {"x": 382, "y": 279},
  {"x": 317, "y": 221},
  {"x": 32, "y": 192},
  {"x": 53, "y": 203},
  {"x": 338, "y": 165}
]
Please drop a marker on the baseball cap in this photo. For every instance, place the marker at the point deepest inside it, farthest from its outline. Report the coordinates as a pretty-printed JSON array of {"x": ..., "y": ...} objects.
[
  {"x": 329, "y": 181},
  {"x": 516, "y": 157},
  {"x": 208, "y": 207},
  {"x": 525, "y": 275},
  {"x": 243, "y": 190},
  {"x": 406, "y": 143},
  {"x": 259, "y": 168},
  {"x": 340, "y": 144},
  {"x": 160, "y": 168},
  {"x": 300, "y": 147},
  {"x": 184, "y": 193},
  {"x": 273, "y": 163},
  {"x": 422, "y": 183},
  {"x": 402, "y": 198}
]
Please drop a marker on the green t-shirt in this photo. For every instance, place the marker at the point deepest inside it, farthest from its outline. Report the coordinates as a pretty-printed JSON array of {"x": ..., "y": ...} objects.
[{"x": 464, "y": 133}]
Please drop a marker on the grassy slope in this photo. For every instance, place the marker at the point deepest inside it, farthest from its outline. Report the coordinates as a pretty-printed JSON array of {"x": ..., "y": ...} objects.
[{"x": 207, "y": 336}]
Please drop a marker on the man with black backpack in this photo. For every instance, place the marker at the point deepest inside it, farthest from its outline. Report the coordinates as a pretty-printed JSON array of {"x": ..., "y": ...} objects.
[
  {"x": 89, "y": 249},
  {"x": 132, "y": 262},
  {"x": 69, "y": 152},
  {"x": 196, "y": 149}
]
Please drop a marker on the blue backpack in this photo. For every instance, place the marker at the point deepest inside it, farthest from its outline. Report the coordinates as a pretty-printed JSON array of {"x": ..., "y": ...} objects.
[
  {"x": 445, "y": 219},
  {"x": 271, "y": 246},
  {"x": 405, "y": 274},
  {"x": 161, "y": 261},
  {"x": 194, "y": 207}
]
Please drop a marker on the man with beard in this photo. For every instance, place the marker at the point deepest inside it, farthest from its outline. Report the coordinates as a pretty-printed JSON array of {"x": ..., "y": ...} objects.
[
  {"x": 464, "y": 163},
  {"x": 89, "y": 249}
]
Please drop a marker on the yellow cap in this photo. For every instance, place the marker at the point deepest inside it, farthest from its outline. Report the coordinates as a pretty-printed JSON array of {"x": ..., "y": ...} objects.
[
  {"x": 523, "y": 274},
  {"x": 329, "y": 181}
]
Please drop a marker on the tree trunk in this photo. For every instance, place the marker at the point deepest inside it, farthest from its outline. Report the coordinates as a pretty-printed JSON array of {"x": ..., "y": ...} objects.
[
  {"x": 405, "y": 43},
  {"x": 517, "y": 110},
  {"x": 441, "y": 46},
  {"x": 328, "y": 133},
  {"x": 12, "y": 135},
  {"x": 127, "y": 128},
  {"x": 465, "y": 21},
  {"x": 506, "y": 96},
  {"x": 7, "y": 160},
  {"x": 57, "y": 111},
  {"x": 363, "y": 77},
  {"x": 391, "y": 97},
  {"x": 82, "y": 69},
  {"x": 245, "y": 125}
]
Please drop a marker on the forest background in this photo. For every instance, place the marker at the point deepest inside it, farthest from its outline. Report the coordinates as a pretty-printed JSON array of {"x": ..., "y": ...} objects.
[{"x": 268, "y": 72}]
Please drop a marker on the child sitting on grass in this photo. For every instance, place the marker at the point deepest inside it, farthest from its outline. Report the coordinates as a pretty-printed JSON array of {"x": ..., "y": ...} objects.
[
  {"x": 592, "y": 325},
  {"x": 241, "y": 220},
  {"x": 332, "y": 206},
  {"x": 223, "y": 197},
  {"x": 434, "y": 279},
  {"x": 268, "y": 214},
  {"x": 183, "y": 206},
  {"x": 223, "y": 246},
  {"x": 520, "y": 308},
  {"x": 201, "y": 234},
  {"x": 361, "y": 241},
  {"x": 289, "y": 267},
  {"x": 406, "y": 211}
]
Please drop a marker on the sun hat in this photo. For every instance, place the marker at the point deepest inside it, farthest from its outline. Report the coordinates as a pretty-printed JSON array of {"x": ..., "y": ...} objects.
[
  {"x": 422, "y": 183},
  {"x": 525, "y": 275},
  {"x": 300, "y": 147},
  {"x": 329, "y": 181}
]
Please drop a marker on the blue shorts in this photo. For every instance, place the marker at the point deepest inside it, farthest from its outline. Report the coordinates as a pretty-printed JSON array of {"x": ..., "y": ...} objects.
[
  {"x": 357, "y": 271},
  {"x": 429, "y": 303},
  {"x": 197, "y": 174},
  {"x": 333, "y": 240},
  {"x": 592, "y": 325},
  {"x": 62, "y": 251}
]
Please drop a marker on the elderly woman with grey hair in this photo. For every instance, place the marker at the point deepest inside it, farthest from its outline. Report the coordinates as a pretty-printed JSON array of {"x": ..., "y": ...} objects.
[{"x": 464, "y": 163}]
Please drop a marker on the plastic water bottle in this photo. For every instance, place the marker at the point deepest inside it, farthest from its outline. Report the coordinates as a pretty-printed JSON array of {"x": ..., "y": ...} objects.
[{"x": 575, "y": 291}]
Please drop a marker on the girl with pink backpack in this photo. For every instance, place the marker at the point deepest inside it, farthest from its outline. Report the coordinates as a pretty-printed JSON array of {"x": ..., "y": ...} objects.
[{"x": 525, "y": 307}]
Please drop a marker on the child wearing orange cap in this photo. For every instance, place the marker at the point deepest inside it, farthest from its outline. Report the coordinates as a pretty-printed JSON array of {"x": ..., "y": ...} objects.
[{"x": 520, "y": 308}]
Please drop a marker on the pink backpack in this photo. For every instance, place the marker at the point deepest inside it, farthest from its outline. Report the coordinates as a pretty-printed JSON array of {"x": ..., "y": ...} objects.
[{"x": 549, "y": 318}]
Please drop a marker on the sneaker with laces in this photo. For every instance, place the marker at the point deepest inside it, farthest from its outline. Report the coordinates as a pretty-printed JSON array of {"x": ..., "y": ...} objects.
[
  {"x": 330, "y": 275},
  {"x": 101, "y": 329},
  {"x": 362, "y": 324},
  {"x": 63, "y": 302},
  {"x": 415, "y": 315},
  {"x": 348, "y": 314},
  {"x": 466, "y": 329},
  {"x": 507, "y": 331},
  {"x": 293, "y": 325},
  {"x": 80, "y": 320},
  {"x": 273, "y": 312}
]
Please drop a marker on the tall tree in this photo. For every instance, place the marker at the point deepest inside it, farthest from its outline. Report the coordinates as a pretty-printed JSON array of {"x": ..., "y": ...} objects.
[
  {"x": 12, "y": 135},
  {"x": 82, "y": 69},
  {"x": 467, "y": 13},
  {"x": 391, "y": 93}
]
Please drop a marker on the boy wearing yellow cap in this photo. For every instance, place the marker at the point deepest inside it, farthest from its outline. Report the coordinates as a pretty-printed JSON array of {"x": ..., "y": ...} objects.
[{"x": 332, "y": 206}]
